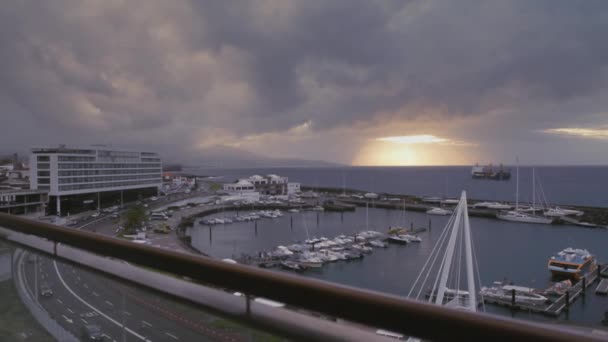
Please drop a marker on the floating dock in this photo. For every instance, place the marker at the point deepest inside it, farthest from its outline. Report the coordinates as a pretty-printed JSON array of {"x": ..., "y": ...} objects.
[
  {"x": 602, "y": 287},
  {"x": 558, "y": 304}
]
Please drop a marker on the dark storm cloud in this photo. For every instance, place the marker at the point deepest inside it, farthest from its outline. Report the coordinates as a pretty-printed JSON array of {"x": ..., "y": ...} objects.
[{"x": 171, "y": 72}]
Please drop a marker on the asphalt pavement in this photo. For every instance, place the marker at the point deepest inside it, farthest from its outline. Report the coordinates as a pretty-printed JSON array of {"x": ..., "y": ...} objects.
[{"x": 124, "y": 313}]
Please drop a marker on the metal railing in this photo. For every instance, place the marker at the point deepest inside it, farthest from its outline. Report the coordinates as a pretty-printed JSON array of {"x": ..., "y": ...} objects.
[{"x": 366, "y": 307}]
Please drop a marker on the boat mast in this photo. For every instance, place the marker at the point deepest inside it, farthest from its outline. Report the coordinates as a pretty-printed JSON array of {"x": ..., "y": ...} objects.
[
  {"x": 517, "y": 186},
  {"x": 533, "y": 191},
  {"x": 367, "y": 215}
]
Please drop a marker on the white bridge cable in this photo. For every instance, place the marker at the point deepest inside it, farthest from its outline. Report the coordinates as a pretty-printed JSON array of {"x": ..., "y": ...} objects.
[
  {"x": 430, "y": 268},
  {"x": 432, "y": 258},
  {"x": 459, "y": 264},
  {"x": 431, "y": 255},
  {"x": 483, "y": 304}
]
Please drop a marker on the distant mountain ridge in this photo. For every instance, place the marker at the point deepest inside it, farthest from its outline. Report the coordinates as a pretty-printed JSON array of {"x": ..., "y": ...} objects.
[{"x": 230, "y": 157}]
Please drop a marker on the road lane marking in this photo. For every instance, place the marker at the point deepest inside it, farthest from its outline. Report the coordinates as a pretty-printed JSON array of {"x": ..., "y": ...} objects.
[
  {"x": 146, "y": 323},
  {"x": 95, "y": 294},
  {"x": 172, "y": 336},
  {"x": 109, "y": 303},
  {"x": 59, "y": 300},
  {"x": 70, "y": 310},
  {"x": 86, "y": 286},
  {"x": 92, "y": 307},
  {"x": 84, "y": 321},
  {"x": 67, "y": 319},
  {"x": 127, "y": 313}
]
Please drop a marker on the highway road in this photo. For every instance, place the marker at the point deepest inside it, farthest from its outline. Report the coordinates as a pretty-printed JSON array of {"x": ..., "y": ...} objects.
[
  {"x": 124, "y": 312},
  {"x": 81, "y": 297}
]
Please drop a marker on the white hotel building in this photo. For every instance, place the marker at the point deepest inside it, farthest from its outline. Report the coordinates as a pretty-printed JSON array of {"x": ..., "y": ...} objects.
[{"x": 93, "y": 177}]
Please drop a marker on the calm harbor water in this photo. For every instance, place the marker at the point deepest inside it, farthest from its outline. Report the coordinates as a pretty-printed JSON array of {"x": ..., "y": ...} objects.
[
  {"x": 580, "y": 185},
  {"x": 517, "y": 252}
]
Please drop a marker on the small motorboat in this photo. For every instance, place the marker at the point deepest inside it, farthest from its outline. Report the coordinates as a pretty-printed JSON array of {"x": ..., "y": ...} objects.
[
  {"x": 505, "y": 292},
  {"x": 292, "y": 265},
  {"x": 413, "y": 238},
  {"x": 401, "y": 239},
  {"x": 438, "y": 211},
  {"x": 376, "y": 243}
]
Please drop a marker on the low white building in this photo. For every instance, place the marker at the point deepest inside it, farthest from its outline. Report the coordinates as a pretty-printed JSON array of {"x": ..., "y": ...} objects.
[
  {"x": 293, "y": 188},
  {"x": 241, "y": 186}
]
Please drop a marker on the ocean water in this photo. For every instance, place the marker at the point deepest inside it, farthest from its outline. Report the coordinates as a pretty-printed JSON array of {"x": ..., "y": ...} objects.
[{"x": 561, "y": 185}]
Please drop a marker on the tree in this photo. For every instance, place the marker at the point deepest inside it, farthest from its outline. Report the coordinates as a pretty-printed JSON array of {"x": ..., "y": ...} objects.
[{"x": 133, "y": 218}]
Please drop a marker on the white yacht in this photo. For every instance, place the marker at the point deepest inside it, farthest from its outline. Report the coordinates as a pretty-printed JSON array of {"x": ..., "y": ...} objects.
[
  {"x": 517, "y": 216},
  {"x": 505, "y": 292},
  {"x": 376, "y": 243},
  {"x": 413, "y": 238},
  {"x": 402, "y": 239},
  {"x": 491, "y": 205},
  {"x": 499, "y": 206},
  {"x": 559, "y": 212},
  {"x": 438, "y": 211}
]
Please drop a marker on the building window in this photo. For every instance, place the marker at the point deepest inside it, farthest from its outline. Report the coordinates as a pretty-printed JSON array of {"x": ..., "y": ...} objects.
[
  {"x": 44, "y": 173},
  {"x": 43, "y": 181},
  {"x": 43, "y": 158},
  {"x": 44, "y": 166}
]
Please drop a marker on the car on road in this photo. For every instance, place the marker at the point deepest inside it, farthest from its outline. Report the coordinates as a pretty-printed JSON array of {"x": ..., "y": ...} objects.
[
  {"x": 115, "y": 215},
  {"x": 95, "y": 215},
  {"x": 92, "y": 332},
  {"x": 153, "y": 198},
  {"x": 46, "y": 291}
]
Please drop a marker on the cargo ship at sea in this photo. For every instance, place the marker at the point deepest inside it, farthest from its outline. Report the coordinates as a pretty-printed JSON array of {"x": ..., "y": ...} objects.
[
  {"x": 572, "y": 263},
  {"x": 490, "y": 172}
]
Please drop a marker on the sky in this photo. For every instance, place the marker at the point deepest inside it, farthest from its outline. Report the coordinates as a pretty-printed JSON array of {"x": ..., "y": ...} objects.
[{"x": 359, "y": 82}]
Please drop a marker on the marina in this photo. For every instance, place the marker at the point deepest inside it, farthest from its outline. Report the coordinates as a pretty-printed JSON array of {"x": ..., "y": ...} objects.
[
  {"x": 241, "y": 240},
  {"x": 315, "y": 252}
]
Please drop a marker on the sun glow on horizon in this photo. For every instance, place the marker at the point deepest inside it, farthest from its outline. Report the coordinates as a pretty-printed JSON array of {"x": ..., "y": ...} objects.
[
  {"x": 414, "y": 139},
  {"x": 412, "y": 150}
]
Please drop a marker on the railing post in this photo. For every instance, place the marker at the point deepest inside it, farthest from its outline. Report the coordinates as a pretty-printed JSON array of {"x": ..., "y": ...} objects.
[
  {"x": 248, "y": 305},
  {"x": 567, "y": 299},
  {"x": 513, "y": 298},
  {"x": 584, "y": 284}
]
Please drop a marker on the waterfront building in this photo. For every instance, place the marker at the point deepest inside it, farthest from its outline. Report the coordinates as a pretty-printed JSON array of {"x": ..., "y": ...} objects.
[
  {"x": 22, "y": 201},
  {"x": 174, "y": 180},
  {"x": 241, "y": 186},
  {"x": 270, "y": 185},
  {"x": 79, "y": 179}
]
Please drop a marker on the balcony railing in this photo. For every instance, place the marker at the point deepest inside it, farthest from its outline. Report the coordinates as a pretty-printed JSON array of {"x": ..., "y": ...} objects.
[{"x": 369, "y": 308}]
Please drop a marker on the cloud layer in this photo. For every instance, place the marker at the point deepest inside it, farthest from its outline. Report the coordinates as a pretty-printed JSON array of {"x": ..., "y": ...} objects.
[{"x": 185, "y": 75}]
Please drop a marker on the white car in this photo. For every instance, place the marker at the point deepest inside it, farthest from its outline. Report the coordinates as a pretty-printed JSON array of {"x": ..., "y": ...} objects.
[{"x": 95, "y": 215}]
